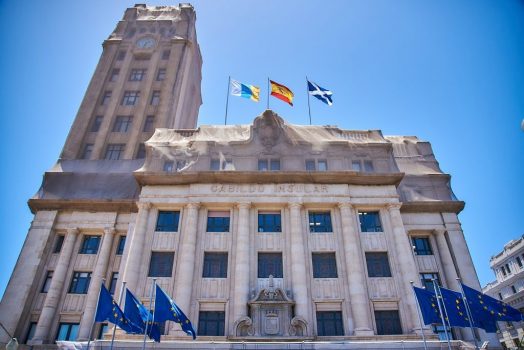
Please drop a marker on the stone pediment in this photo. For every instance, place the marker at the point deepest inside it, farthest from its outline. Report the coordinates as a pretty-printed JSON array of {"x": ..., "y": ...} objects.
[{"x": 271, "y": 295}]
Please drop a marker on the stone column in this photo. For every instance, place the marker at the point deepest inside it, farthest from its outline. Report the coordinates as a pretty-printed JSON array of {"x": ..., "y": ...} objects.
[
  {"x": 448, "y": 266},
  {"x": 186, "y": 259},
  {"x": 406, "y": 265},
  {"x": 241, "y": 288},
  {"x": 137, "y": 241},
  {"x": 100, "y": 270},
  {"x": 43, "y": 328},
  {"x": 358, "y": 293},
  {"x": 298, "y": 266}
]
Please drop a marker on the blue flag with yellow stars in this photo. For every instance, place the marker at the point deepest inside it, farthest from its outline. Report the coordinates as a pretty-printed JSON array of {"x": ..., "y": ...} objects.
[
  {"x": 485, "y": 308},
  {"x": 428, "y": 306},
  {"x": 108, "y": 310},
  {"x": 455, "y": 308},
  {"x": 166, "y": 309},
  {"x": 139, "y": 317}
]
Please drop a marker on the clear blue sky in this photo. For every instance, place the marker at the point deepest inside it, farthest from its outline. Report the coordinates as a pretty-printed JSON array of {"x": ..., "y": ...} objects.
[{"x": 450, "y": 72}]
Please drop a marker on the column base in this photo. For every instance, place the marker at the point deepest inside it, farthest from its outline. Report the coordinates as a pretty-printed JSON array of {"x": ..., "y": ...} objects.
[
  {"x": 363, "y": 332},
  {"x": 425, "y": 330}
]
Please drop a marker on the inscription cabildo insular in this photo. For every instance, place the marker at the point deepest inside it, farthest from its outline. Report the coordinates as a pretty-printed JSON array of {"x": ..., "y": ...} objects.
[{"x": 269, "y": 188}]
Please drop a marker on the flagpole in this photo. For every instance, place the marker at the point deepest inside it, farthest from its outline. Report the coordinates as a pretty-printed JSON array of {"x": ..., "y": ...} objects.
[
  {"x": 419, "y": 316},
  {"x": 94, "y": 318},
  {"x": 119, "y": 303},
  {"x": 150, "y": 301},
  {"x": 267, "y": 93},
  {"x": 445, "y": 310},
  {"x": 227, "y": 98},
  {"x": 308, "y": 106},
  {"x": 470, "y": 315},
  {"x": 437, "y": 294}
]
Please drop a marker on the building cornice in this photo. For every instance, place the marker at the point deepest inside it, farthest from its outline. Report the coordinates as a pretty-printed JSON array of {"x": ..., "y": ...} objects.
[
  {"x": 121, "y": 205},
  {"x": 331, "y": 177},
  {"x": 432, "y": 207}
]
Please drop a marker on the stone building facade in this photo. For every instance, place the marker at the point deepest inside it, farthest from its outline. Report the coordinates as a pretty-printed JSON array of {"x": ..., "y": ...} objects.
[
  {"x": 508, "y": 266},
  {"x": 265, "y": 231}
]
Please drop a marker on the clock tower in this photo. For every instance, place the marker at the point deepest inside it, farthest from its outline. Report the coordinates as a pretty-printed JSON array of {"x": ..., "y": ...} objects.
[{"x": 148, "y": 77}]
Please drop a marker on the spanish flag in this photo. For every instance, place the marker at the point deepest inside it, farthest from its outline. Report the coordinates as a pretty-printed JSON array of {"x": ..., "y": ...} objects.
[{"x": 281, "y": 92}]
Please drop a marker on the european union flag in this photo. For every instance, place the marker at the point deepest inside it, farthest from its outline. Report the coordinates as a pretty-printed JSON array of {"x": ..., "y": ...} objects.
[
  {"x": 487, "y": 309},
  {"x": 428, "y": 306},
  {"x": 139, "y": 316},
  {"x": 166, "y": 309},
  {"x": 108, "y": 310},
  {"x": 455, "y": 308}
]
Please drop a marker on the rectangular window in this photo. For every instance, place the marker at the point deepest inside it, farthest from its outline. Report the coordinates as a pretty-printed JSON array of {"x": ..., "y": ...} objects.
[
  {"x": 503, "y": 270},
  {"x": 268, "y": 164},
  {"x": 47, "y": 282},
  {"x": 67, "y": 331},
  {"x": 122, "y": 123},
  {"x": 388, "y": 322},
  {"x": 90, "y": 245},
  {"x": 270, "y": 264},
  {"x": 121, "y": 245},
  {"x": 362, "y": 165},
  {"x": 161, "y": 74},
  {"x": 104, "y": 327},
  {"x": 500, "y": 296},
  {"x": 114, "y": 151},
  {"x": 215, "y": 265},
  {"x": 368, "y": 166},
  {"x": 155, "y": 98},
  {"x": 320, "y": 222},
  {"x": 112, "y": 285},
  {"x": 508, "y": 269},
  {"x": 310, "y": 165},
  {"x": 161, "y": 264},
  {"x": 88, "y": 150},
  {"x": 106, "y": 98},
  {"x": 58, "y": 244},
  {"x": 180, "y": 165},
  {"x": 80, "y": 282},
  {"x": 217, "y": 164},
  {"x": 95, "y": 126},
  {"x": 218, "y": 221},
  {"x": 370, "y": 221},
  {"x": 137, "y": 74},
  {"x": 214, "y": 165},
  {"x": 130, "y": 98},
  {"x": 329, "y": 323},
  {"x": 114, "y": 74},
  {"x": 141, "y": 151},
  {"x": 324, "y": 265},
  {"x": 421, "y": 245},
  {"x": 269, "y": 221},
  {"x": 211, "y": 323},
  {"x": 31, "y": 331},
  {"x": 149, "y": 124},
  {"x": 121, "y": 55},
  {"x": 378, "y": 264},
  {"x": 519, "y": 261},
  {"x": 168, "y": 166},
  {"x": 355, "y": 165},
  {"x": 322, "y": 165},
  {"x": 165, "y": 54},
  {"x": 167, "y": 221},
  {"x": 513, "y": 289},
  {"x": 426, "y": 279}
]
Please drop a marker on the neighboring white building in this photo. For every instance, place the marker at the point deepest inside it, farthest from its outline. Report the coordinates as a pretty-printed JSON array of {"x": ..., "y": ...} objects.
[
  {"x": 261, "y": 232},
  {"x": 508, "y": 266}
]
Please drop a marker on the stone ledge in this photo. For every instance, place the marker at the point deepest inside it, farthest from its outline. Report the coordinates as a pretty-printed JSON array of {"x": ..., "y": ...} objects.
[
  {"x": 83, "y": 205},
  {"x": 432, "y": 207}
]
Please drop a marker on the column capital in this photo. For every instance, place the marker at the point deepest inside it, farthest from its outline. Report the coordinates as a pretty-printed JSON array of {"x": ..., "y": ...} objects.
[
  {"x": 243, "y": 205},
  {"x": 73, "y": 231},
  {"x": 109, "y": 230},
  {"x": 144, "y": 205},
  {"x": 439, "y": 231},
  {"x": 294, "y": 205},
  {"x": 193, "y": 205},
  {"x": 393, "y": 206},
  {"x": 345, "y": 205}
]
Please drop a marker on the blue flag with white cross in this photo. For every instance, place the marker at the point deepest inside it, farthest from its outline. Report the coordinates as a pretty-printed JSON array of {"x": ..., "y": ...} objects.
[{"x": 322, "y": 94}]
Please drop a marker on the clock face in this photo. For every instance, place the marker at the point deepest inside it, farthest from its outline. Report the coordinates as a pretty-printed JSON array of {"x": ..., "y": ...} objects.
[{"x": 145, "y": 43}]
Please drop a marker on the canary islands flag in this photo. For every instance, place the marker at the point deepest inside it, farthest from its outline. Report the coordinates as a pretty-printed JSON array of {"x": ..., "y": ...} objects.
[
  {"x": 281, "y": 92},
  {"x": 247, "y": 91}
]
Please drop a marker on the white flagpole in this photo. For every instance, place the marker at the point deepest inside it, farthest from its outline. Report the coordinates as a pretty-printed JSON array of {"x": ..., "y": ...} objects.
[
  {"x": 437, "y": 294},
  {"x": 150, "y": 301},
  {"x": 119, "y": 303},
  {"x": 419, "y": 317},
  {"x": 94, "y": 318},
  {"x": 470, "y": 315},
  {"x": 308, "y": 106},
  {"x": 227, "y": 98}
]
